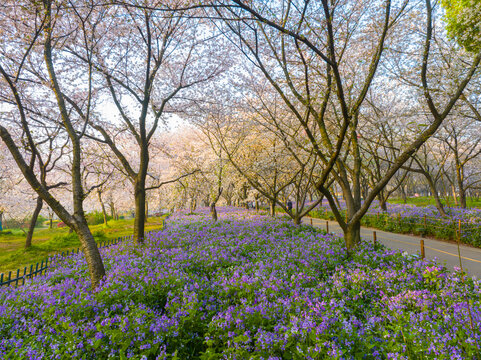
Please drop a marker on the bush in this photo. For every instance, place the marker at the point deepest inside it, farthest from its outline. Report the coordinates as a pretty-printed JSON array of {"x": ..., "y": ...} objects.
[
  {"x": 6, "y": 232},
  {"x": 96, "y": 217},
  {"x": 41, "y": 220}
]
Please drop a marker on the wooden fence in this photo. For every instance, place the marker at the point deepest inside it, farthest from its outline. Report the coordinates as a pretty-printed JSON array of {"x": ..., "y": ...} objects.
[
  {"x": 20, "y": 275},
  {"x": 39, "y": 269}
]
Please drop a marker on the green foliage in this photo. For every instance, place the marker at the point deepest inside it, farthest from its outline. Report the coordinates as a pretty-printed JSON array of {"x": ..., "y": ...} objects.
[
  {"x": 96, "y": 217},
  {"x": 471, "y": 202},
  {"x": 463, "y": 19},
  {"x": 437, "y": 228},
  {"x": 5, "y": 232},
  {"x": 41, "y": 220}
]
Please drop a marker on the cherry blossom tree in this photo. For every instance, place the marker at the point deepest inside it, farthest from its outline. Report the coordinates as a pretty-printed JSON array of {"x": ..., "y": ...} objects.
[
  {"x": 323, "y": 67},
  {"x": 35, "y": 79}
]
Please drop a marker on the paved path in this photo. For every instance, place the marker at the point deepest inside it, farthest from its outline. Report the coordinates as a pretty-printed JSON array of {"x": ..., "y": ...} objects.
[{"x": 446, "y": 253}]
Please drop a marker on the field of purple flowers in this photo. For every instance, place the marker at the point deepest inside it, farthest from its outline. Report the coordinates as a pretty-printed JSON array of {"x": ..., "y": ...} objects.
[
  {"x": 419, "y": 220},
  {"x": 246, "y": 287}
]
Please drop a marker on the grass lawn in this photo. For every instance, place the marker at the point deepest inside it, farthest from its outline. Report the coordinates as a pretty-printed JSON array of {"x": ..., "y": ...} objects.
[
  {"x": 47, "y": 242},
  {"x": 427, "y": 200}
]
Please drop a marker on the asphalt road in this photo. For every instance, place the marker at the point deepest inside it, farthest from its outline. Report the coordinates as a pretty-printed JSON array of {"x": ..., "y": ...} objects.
[{"x": 446, "y": 253}]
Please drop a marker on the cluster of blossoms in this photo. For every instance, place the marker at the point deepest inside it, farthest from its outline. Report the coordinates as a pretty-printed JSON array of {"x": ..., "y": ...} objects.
[{"x": 246, "y": 287}]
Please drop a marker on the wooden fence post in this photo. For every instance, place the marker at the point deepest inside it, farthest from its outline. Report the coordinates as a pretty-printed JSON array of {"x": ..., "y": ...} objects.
[
  {"x": 311, "y": 221},
  {"x": 459, "y": 230},
  {"x": 327, "y": 226},
  {"x": 423, "y": 255},
  {"x": 374, "y": 237}
]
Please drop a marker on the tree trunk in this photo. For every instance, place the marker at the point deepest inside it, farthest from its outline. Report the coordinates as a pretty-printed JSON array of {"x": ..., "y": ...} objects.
[
  {"x": 272, "y": 208},
  {"x": 257, "y": 204},
  {"x": 33, "y": 222},
  {"x": 432, "y": 187},
  {"x": 104, "y": 212},
  {"x": 297, "y": 220},
  {"x": 193, "y": 205},
  {"x": 455, "y": 197},
  {"x": 139, "y": 222},
  {"x": 213, "y": 212},
  {"x": 382, "y": 201},
  {"x": 462, "y": 192},
  {"x": 1, "y": 220},
  {"x": 146, "y": 211},
  {"x": 403, "y": 194},
  {"x": 113, "y": 212},
  {"x": 352, "y": 236},
  {"x": 91, "y": 252}
]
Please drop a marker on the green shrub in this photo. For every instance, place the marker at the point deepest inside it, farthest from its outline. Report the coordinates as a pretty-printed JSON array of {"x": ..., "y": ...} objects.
[{"x": 96, "y": 217}]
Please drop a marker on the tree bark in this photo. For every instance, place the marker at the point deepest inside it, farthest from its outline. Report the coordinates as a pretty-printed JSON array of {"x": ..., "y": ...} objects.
[
  {"x": 91, "y": 252},
  {"x": 455, "y": 196},
  {"x": 146, "y": 211},
  {"x": 382, "y": 201},
  {"x": 104, "y": 212},
  {"x": 403, "y": 195},
  {"x": 434, "y": 191},
  {"x": 113, "y": 212},
  {"x": 461, "y": 190},
  {"x": 33, "y": 221},
  {"x": 139, "y": 222},
  {"x": 352, "y": 236},
  {"x": 272, "y": 208},
  {"x": 213, "y": 211}
]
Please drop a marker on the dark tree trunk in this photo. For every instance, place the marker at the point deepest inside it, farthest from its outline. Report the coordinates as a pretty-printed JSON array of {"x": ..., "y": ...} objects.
[
  {"x": 213, "y": 211},
  {"x": 33, "y": 222},
  {"x": 139, "y": 222},
  {"x": 352, "y": 236},
  {"x": 91, "y": 252},
  {"x": 462, "y": 192},
  {"x": 113, "y": 212},
  {"x": 104, "y": 212},
  {"x": 382, "y": 201},
  {"x": 272, "y": 208}
]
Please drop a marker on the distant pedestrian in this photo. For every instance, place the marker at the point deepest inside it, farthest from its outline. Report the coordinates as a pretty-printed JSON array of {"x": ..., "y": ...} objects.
[{"x": 289, "y": 205}]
